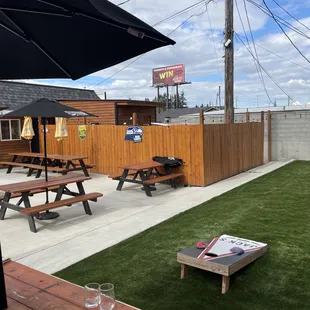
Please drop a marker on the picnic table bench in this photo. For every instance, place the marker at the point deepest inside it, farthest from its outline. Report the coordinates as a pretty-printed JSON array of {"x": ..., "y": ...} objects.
[
  {"x": 56, "y": 163},
  {"x": 148, "y": 174},
  {"x": 56, "y": 184}
]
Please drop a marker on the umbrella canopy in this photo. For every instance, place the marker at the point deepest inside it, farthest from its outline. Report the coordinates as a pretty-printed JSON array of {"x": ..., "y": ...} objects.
[
  {"x": 69, "y": 38},
  {"x": 48, "y": 108},
  {"x": 61, "y": 131},
  {"x": 27, "y": 132}
]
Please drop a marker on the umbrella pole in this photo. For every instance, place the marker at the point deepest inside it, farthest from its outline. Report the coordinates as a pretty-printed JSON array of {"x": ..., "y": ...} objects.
[
  {"x": 47, "y": 215},
  {"x": 45, "y": 157}
]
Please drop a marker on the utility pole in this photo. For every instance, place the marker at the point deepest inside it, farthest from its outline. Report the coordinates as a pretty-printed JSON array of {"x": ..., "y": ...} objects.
[
  {"x": 229, "y": 61},
  {"x": 220, "y": 97}
]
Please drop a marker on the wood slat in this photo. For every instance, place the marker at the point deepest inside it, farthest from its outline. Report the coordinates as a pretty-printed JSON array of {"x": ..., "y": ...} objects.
[
  {"x": 211, "y": 152},
  {"x": 28, "y": 288},
  {"x": 163, "y": 178},
  {"x": 60, "y": 203}
]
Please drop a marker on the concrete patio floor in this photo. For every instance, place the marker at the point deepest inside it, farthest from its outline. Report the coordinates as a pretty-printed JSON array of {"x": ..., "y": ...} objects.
[{"x": 117, "y": 216}]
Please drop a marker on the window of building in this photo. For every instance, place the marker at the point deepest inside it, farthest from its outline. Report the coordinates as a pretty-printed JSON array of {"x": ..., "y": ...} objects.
[{"x": 10, "y": 129}]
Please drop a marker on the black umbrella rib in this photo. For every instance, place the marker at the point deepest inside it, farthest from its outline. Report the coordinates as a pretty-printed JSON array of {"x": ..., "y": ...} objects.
[
  {"x": 22, "y": 34},
  {"x": 33, "y": 11},
  {"x": 73, "y": 11},
  {"x": 28, "y": 39},
  {"x": 128, "y": 29}
]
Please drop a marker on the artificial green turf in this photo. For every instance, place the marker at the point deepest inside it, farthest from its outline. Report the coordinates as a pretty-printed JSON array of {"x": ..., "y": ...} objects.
[{"x": 274, "y": 209}]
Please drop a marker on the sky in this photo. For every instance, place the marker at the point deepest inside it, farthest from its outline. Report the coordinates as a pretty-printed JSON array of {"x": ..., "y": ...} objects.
[{"x": 200, "y": 48}]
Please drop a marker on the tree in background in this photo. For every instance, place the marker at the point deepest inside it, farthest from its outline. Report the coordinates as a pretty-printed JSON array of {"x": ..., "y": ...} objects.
[{"x": 172, "y": 102}]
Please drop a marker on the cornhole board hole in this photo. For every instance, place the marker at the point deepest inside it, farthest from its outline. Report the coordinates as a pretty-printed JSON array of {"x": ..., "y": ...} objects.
[{"x": 222, "y": 261}]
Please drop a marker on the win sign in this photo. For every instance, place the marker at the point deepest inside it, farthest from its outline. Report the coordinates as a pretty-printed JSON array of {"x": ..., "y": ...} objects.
[{"x": 168, "y": 76}]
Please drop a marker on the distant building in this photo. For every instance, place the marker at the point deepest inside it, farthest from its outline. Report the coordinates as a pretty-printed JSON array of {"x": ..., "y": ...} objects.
[{"x": 169, "y": 114}]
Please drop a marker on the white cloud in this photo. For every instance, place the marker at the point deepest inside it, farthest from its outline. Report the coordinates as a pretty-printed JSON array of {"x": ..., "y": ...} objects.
[{"x": 195, "y": 49}]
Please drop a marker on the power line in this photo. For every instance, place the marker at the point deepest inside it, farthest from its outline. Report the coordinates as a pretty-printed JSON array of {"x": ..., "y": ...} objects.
[
  {"x": 267, "y": 50},
  {"x": 256, "y": 54},
  {"x": 240, "y": 39},
  {"x": 180, "y": 12},
  {"x": 258, "y": 69},
  {"x": 108, "y": 78},
  {"x": 123, "y": 2},
  {"x": 299, "y": 51},
  {"x": 297, "y": 20},
  {"x": 279, "y": 19}
]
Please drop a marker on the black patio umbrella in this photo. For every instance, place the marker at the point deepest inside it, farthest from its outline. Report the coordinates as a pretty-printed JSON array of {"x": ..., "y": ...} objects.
[
  {"x": 69, "y": 38},
  {"x": 46, "y": 108}
]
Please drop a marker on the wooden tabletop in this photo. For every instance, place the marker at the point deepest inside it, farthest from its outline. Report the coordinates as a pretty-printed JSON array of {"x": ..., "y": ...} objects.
[
  {"x": 50, "y": 156},
  {"x": 27, "y": 186},
  {"x": 28, "y": 288},
  {"x": 142, "y": 166}
]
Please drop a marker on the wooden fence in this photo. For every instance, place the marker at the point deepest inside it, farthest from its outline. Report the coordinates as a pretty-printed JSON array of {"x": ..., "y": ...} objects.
[{"x": 211, "y": 152}]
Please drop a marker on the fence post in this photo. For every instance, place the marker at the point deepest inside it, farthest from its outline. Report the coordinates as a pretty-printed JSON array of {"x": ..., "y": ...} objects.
[
  {"x": 134, "y": 119},
  {"x": 247, "y": 116},
  {"x": 201, "y": 117},
  {"x": 269, "y": 135},
  {"x": 262, "y": 116}
]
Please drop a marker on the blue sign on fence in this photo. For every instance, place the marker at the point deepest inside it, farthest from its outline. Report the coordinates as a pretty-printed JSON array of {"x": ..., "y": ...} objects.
[{"x": 134, "y": 133}]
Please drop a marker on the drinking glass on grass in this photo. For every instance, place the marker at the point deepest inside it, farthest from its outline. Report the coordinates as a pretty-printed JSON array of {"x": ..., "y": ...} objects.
[
  {"x": 107, "y": 296},
  {"x": 92, "y": 295}
]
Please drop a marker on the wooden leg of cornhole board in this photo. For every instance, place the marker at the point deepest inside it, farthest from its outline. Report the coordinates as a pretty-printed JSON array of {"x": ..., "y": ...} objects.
[
  {"x": 225, "y": 284},
  {"x": 184, "y": 271}
]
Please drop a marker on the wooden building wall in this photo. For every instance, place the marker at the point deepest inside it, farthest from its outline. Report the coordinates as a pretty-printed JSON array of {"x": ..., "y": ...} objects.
[
  {"x": 211, "y": 152},
  {"x": 145, "y": 115},
  {"x": 7, "y": 147},
  {"x": 104, "y": 110}
]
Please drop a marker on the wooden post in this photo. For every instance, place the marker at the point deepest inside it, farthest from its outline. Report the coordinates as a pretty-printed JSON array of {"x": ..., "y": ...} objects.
[
  {"x": 247, "y": 117},
  {"x": 201, "y": 117},
  {"x": 262, "y": 116},
  {"x": 134, "y": 119},
  {"x": 269, "y": 135},
  {"x": 225, "y": 284},
  {"x": 229, "y": 61},
  {"x": 177, "y": 103},
  {"x": 184, "y": 271}
]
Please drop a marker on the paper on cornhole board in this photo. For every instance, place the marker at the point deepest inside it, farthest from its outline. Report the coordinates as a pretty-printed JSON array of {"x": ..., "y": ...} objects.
[{"x": 225, "y": 263}]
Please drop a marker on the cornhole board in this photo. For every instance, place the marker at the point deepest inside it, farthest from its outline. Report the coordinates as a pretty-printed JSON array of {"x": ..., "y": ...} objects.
[{"x": 225, "y": 262}]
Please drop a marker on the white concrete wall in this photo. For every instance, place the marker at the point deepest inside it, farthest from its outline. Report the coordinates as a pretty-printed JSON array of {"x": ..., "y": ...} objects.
[{"x": 290, "y": 132}]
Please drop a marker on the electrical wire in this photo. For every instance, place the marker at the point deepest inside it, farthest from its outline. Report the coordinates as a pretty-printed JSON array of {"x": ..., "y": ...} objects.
[
  {"x": 299, "y": 51},
  {"x": 133, "y": 61},
  {"x": 180, "y": 12},
  {"x": 288, "y": 13},
  {"x": 256, "y": 54},
  {"x": 272, "y": 53},
  {"x": 279, "y": 19},
  {"x": 269, "y": 75},
  {"x": 258, "y": 68}
]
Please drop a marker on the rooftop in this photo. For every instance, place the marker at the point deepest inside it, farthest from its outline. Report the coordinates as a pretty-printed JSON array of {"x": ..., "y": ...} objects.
[{"x": 16, "y": 94}]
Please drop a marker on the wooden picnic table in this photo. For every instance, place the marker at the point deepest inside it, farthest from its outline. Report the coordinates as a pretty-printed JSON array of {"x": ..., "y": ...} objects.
[
  {"x": 24, "y": 190},
  {"x": 145, "y": 171},
  {"x": 27, "y": 289},
  {"x": 56, "y": 163}
]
